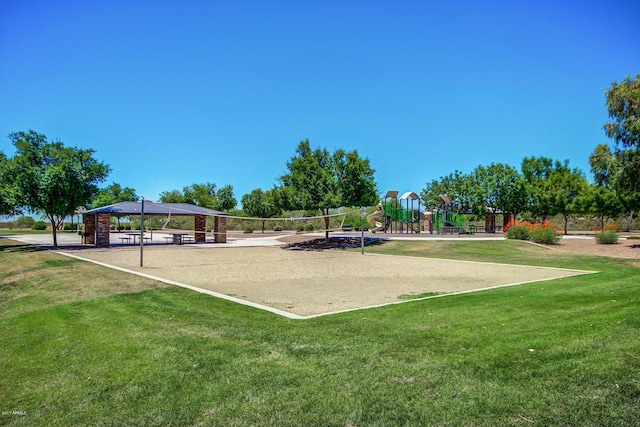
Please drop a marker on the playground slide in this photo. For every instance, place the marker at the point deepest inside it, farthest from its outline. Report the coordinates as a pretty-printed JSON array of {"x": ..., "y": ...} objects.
[{"x": 376, "y": 225}]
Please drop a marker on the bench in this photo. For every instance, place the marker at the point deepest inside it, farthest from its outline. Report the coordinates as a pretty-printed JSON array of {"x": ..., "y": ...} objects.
[
  {"x": 168, "y": 239},
  {"x": 187, "y": 239},
  {"x": 347, "y": 228},
  {"x": 125, "y": 239}
]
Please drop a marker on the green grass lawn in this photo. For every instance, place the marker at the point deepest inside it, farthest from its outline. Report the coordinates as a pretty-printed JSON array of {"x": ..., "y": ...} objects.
[{"x": 84, "y": 345}]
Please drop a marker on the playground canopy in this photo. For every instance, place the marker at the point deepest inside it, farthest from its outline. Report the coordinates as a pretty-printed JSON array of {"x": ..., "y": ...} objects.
[{"x": 97, "y": 222}]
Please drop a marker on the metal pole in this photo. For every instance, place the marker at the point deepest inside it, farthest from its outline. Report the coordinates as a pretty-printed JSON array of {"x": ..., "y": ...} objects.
[
  {"x": 362, "y": 230},
  {"x": 141, "y": 232}
]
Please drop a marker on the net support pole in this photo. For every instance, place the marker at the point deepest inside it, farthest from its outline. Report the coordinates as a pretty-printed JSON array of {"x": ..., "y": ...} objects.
[
  {"x": 141, "y": 232},
  {"x": 362, "y": 230}
]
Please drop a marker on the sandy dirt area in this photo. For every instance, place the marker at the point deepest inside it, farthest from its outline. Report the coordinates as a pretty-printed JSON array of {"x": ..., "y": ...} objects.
[
  {"x": 309, "y": 283},
  {"x": 625, "y": 248}
]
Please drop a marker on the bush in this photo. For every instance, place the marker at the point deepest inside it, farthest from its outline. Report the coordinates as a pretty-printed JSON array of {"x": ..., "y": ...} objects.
[
  {"x": 539, "y": 232},
  {"x": 24, "y": 222},
  {"x": 40, "y": 225},
  {"x": 70, "y": 227},
  {"x": 248, "y": 230},
  {"x": 309, "y": 227},
  {"x": 300, "y": 228},
  {"x": 544, "y": 233},
  {"x": 607, "y": 237},
  {"x": 277, "y": 228},
  {"x": 518, "y": 231}
]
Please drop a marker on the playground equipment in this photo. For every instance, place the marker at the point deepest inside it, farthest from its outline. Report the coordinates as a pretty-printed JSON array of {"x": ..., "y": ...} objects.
[{"x": 392, "y": 217}]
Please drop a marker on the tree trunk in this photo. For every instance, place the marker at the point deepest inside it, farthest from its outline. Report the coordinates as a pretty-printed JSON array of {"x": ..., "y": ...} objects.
[
  {"x": 263, "y": 221},
  {"x": 566, "y": 223},
  {"x": 627, "y": 226},
  {"x": 325, "y": 212},
  {"x": 54, "y": 228}
]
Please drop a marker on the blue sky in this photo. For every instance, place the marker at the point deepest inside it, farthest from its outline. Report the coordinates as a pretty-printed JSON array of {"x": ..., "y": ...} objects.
[{"x": 172, "y": 93}]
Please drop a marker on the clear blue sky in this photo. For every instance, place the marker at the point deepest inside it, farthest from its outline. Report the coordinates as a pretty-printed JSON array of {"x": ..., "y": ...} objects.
[{"x": 171, "y": 93}]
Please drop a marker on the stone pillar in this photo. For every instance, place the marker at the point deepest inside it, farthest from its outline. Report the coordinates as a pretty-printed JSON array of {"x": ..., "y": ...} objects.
[
  {"x": 89, "y": 229},
  {"x": 103, "y": 230},
  {"x": 507, "y": 219},
  {"x": 490, "y": 223},
  {"x": 220, "y": 229},
  {"x": 200, "y": 228}
]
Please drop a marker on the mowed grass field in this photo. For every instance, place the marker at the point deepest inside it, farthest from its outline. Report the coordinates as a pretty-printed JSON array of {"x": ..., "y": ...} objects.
[{"x": 85, "y": 345}]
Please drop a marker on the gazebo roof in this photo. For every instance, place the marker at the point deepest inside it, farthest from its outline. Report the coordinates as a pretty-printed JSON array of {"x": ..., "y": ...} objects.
[{"x": 150, "y": 208}]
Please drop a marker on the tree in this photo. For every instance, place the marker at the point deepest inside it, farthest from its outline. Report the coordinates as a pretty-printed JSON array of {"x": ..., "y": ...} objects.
[
  {"x": 497, "y": 186},
  {"x": 8, "y": 202},
  {"x": 113, "y": 194},
  {"x": 318, "y": 180},
  {"x": 566, "y": 186},
  {"x": 623, "y": 104},
  {"x": 456, "y": 185},
  {"x": 204, "y": 195},
  {"x": 260, "y": 204},
  {"x": 53, "y": 179}
]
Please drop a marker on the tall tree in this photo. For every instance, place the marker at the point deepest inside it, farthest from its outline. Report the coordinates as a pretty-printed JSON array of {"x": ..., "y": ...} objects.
[
  {"x": 206, "y": 195},
  {"x": 319, "y": 180},
  {"x": 497, "y": 186},
  {"x": 53, "y": 179},
  {"x": 623, "y": 105},
  {"x": 113, "y": 194},
  {"x": 456, "y": 185},
  {"x": 8, "y": 202},
  {"x": 260, "y": 204}
]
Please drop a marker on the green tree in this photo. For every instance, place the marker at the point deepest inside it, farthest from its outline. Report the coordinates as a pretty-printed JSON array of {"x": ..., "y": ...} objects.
[
  {"x": 623, "y": 104},
  {"x": 456, "y": 185},
  {"x": 498, "y": 186},
  {"x": 260, "y": 204},
  {"x": 113, "y": 194},
  {"x": 319, "y": 180},
  {"x": 600, "y": 202},
  {"x": 552, "y": 187},
  {"x": 53, "y": 179},
  {"x": 8, "y": 200},
  {"x": 566, "y": 186},
  {"x": 206, "y": 195}
]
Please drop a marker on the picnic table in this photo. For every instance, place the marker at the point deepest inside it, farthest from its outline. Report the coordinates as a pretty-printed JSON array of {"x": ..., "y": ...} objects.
[
  {"x": 179, "y": 238},
  {"x": 134, "y": 236}
]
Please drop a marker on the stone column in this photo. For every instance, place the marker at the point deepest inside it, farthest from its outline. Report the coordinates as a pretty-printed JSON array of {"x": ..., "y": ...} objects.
[
  {"x": 103, "y": 230},
  {"x": 89, "y": 229},
  {"x": 200, "y": 228},
  {"x": 220, "y": 229},
  {"x": 507, "y": 219},
  {"x": 490, "y": 223}
]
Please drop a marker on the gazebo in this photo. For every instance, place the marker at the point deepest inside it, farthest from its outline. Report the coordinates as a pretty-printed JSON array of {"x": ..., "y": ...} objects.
[{"x": 97, "y": 222}]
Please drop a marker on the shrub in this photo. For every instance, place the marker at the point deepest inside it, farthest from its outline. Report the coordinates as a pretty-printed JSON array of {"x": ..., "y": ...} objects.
[
  {"x": 607, "y": 237},
  {"x": 248, "y": 230},
  {"x": 25, "y": 222},
  {"x": 70, "y": 227},
  {"x": 518, "y": 231},
  {"x": 309, "y": 227},
  {"x": 300, "y": 228},
  {"x": 544, "y": 233},
  {"x": 127, "y": 227},
  {"x": 40, "y": 225},
  {"x": 277, "y": 228}
]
